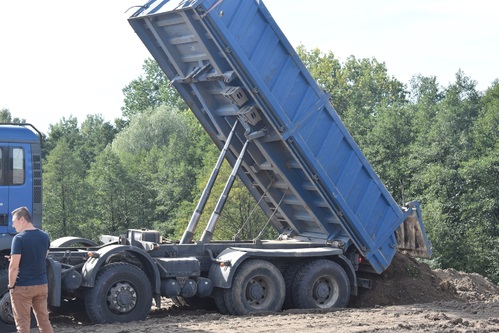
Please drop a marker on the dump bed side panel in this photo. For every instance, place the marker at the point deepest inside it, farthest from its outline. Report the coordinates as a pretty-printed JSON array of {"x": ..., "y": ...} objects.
[{"x": 231, "y": 63}]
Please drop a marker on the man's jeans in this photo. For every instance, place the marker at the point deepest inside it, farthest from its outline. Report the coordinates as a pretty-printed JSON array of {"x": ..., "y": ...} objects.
[{"x": 23, "y": 298}]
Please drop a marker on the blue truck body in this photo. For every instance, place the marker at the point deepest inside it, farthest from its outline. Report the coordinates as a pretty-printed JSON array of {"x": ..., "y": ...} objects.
[
  {"x": 230, "y": 62},
  {"x": 20, "y": 177}
]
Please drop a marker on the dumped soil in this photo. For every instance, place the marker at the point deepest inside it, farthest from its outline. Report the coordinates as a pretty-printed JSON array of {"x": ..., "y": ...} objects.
[{"x": 407, "y": 297}]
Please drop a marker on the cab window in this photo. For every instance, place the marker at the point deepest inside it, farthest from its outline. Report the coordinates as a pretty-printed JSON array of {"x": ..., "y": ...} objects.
[{"x": 17, "y": 166}]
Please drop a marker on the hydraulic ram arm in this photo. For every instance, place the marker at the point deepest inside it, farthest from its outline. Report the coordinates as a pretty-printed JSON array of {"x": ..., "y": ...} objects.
[
  {"x": 196, "y": 215},
  {"x": 215, "y": 216}
]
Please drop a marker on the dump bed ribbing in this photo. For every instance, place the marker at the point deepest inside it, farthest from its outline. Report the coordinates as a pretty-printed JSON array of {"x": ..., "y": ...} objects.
[{"x": 231, "y": 63}]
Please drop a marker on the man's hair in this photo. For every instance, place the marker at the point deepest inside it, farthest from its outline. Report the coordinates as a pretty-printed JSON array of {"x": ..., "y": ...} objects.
[{"x": 22, "y": 212}]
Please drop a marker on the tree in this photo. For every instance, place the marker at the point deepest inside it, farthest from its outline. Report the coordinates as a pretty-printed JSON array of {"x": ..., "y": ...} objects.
[
  {"x": 6, "y": 117},
  {"x": 479, "y": 203},
  {"x": 442, "y": 147},
  {"x": 170, "y": 145},
  {"x": 387, "y": 147},
  {"x": 479, "y": 211},
  {"x": 96, "y": 135},
  {"x": 486, "y": 128},
  {"x": 117, "y": 196},
  {"x": 65, "y": 129},
  {"x": 150, "y": 91},
  {"x": 65, "y": 192}
]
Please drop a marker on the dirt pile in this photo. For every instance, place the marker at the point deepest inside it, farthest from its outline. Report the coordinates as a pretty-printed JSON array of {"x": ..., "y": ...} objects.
[
  {"x": 469, "y": 287},
  {"x": 408, "y": 281}
]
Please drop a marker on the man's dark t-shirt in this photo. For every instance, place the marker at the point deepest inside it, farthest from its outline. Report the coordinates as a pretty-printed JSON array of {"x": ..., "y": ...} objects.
[{"x": 32, "y": 245}]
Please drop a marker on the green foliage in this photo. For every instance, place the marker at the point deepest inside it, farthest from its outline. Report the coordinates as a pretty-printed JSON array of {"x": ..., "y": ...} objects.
[
  {"x": 118, "y": 196},
  {"x": 163, "y": 152},
  {"x": 454, "y": 164},
  {"x": 88, "y": 140},
  {"x": 241, "y": 218},
  {"x": 65, "y": 189},
  {"x": 67, "y": 130},
  {"x": 387, "y": 147},
  {"x": 150, "y": 92},
  {"x": 6, "y": 117},
  {"x": 96, "y": 134}
]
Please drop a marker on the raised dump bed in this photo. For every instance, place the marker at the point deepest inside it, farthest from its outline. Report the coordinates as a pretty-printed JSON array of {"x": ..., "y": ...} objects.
[{"x": 231, "y": 63}]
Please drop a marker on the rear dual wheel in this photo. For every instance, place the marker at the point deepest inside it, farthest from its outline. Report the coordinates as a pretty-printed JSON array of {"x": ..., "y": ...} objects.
[
  {"x": 258, "y": 286},
  {"x": 320, "y": 284}
]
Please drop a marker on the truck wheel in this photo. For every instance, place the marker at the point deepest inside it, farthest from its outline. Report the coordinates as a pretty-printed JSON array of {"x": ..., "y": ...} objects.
[
  {"x": 121, "y": 293},
  {"x": 289, "y": 275},
  {"x": 258, "y": 286},
  {"x": 7, "y": 323},
  {"x": 4, "y": 262},
  {"x": 218, "y": 297},
  {"x": 321, "y": 284}
]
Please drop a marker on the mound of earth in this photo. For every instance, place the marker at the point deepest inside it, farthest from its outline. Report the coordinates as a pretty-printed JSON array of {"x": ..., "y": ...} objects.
[{"x": 407, "y": 281}]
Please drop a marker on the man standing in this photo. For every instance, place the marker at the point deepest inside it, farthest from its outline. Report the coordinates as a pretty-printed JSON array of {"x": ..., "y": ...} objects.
[{"x": 28, "y": 283}]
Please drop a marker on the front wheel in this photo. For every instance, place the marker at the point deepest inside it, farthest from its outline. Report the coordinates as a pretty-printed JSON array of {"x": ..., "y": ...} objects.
[
  {"x": 121, "y": 293},
  {"x": 219, "y": 298},
  {"x": 258, "y": 286},
  {"x": 321, "y": 284},
  {"x": 7, "y": 323}
]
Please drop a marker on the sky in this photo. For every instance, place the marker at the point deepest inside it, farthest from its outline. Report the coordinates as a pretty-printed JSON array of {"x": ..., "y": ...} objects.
[{"x": 62, "y": 58}]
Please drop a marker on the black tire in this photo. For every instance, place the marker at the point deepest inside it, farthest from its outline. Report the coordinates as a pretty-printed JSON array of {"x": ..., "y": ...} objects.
[
  {"x": 4, "y": 262},
  {"x": 289, "y": 275},
  {"x": 218, "y": 297},
  {"x": 7, "y": 323},
  {"x": 121, "y": 293},
  {"x": 258, "y": 286},
  {"x": 321, "y": 284}
]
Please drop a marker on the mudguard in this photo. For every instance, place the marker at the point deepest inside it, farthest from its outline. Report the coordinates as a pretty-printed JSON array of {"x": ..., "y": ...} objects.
[
  {"x": 54, "y": 272},
  {"x": 232, "y": 258},
  {"x": 100, "y": 257},
  {"x": 222, "y": 275}
]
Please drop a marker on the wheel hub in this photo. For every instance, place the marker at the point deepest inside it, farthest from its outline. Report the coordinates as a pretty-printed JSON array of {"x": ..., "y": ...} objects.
[
  {"x": 6, "y": 309},
  {"x": 257, "y": 291},
  {"x": 322, "y": 291},
  {"x": 122, "y": 297}
]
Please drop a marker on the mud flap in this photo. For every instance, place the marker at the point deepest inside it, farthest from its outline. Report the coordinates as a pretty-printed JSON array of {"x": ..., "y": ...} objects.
[
  {"x": 54, "y": 280},
  {"x": 411, "y": 236}
]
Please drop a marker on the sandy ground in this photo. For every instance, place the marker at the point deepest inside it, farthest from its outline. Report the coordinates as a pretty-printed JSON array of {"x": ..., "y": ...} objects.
[
  {"x": 432, "y": 317},
  {"x": 408, "y": 297}
]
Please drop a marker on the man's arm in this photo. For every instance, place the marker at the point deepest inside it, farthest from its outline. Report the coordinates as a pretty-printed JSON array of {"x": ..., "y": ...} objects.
[{"x": 15, "y": 259}]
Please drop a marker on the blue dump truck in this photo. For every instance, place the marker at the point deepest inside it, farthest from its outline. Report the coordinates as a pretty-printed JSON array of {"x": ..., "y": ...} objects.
[{"x": 247, "y": 87}]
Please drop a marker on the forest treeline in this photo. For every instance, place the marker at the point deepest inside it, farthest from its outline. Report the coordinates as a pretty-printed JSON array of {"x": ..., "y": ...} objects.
[{"x": 427, "y": 142}]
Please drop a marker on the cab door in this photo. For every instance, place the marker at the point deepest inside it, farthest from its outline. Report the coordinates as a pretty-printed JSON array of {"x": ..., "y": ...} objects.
[
  {"x": 20, "y": 186},
  {"x": 4, "y": 189},
  {"x": 15, "y": 186}
]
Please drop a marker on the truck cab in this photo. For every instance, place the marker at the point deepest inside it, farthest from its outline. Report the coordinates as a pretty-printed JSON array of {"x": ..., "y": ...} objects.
[{"x": 20, "y": 178}]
